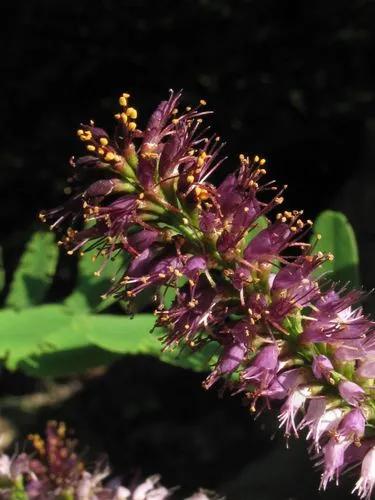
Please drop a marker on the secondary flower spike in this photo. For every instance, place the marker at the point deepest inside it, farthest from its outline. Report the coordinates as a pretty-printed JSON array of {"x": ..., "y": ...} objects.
[
  {"x": 54, "y": 470},
  {"x": 243, "y": 279}
]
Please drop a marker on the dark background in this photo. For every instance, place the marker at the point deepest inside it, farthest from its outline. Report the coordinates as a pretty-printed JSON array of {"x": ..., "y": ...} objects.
[{"x": 291, "y": 80}]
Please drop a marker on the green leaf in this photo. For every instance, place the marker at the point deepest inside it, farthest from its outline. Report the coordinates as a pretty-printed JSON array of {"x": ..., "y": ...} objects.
[
  {"x": 90, "y": 287},
  {"x": 132, "y": 336},
  {"x": 123, "y": 334},
  {"x": 22, "y": 333},
  {"x": 337, "y": 237},
  {"x": 67, "y": 351},
  {"x": 34, "y": 273},
  {"x": 200, "y": 360}
]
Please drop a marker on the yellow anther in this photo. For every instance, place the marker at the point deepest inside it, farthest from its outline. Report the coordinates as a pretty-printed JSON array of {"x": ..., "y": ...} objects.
[
  {"x": 101, "y": 151},
  {"x": 90, "y": 147},
  {"x": 242, "y": 157},
  {"x": 202, "y": 102},
  {"x": 293, "y": 229},
  {"x": 262, "y": 161},
  {"x": 123, "y": 101},
  {"x": 190, "y": 179},
  {"x": 132, "y": 126},
  {"x": 188, "y": 108},
  {"x": 256, "y": 158},
  {"x": 318, "y": 236},
  {"x": 117, "y": 116},
  {"x": 132, "y": 113},
  {"x": 86, "y": 136},
  {"x": 80, "y": 132},
  {"x": 124, "y": 118},
  {"x": 103, "y": 141},
  {"x": 279, "y": 200},
  {"x": 300, "y": 223},
  {"x": 330, "y": 256},
  {"x": 174, "y": 111},
  {"x": 109, "y": 156},
  {"x": 175, "y": 121}
]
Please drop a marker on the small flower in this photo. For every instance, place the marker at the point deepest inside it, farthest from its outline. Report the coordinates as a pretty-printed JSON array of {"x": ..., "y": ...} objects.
[
  {"x": 352, "y": 426},
  {"x": 351, "y": 392},
  {"x": 291, "y": 407},
  {"x": 151, "y": 489},
  {"x": 334, "y": 459},
  {"x": 322, "y": 367},
  {"x": 365, "y": 483},
  {"x": 263, "y": 368}
]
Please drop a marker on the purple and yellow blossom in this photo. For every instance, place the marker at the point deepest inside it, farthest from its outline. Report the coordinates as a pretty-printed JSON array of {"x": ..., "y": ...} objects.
[{"x": 283, "y": 335}]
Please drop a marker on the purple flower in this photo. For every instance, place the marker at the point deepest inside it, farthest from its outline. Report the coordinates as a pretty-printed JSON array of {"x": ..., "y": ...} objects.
[
  {"x": 322, "y": 367},
  {"x": 285, "y": 383},
  {"x": 191, "y": 313},
  {"x": 319, "y": 420},
  {"x": 335, "y": 322},
  {"x": 334, "y": 460},
  {"x": 236, "y": 339},
  {"x": 351, "y": 392},
  {"x": 265, "y": 248},
  {"x": 263, "y": 368},
  {"x": 352, "y": 425},
  {"x": 365, "y": 483},
  {"x": 295, "y": 402}
]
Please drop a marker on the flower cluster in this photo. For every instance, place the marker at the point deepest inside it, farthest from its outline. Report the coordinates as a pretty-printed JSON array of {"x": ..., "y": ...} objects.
[
  {"x": 53, "y": 470},
  {"x": 244, "y": 281}
]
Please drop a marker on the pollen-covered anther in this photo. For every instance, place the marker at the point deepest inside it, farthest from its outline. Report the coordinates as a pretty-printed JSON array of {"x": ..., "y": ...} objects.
[
  {"x": 103, "y": 141},
  {"x": 86, "y": 135},
  {"x": 330, "y": 256},
  {"x": 90, "y": 147},
  {"x": 132, "y": 113},
  {"x": 123, "y": 101},
  {"x": 190, "y": 179},
  {"x": 201, "y": 193},
  {"x": 109, "y": 156},
  {"x": 279, "y": 200},
  {"x": 202, "y": 102},
  {"x": 132, "y": 126},
  {"x": 262, "y": 161}
]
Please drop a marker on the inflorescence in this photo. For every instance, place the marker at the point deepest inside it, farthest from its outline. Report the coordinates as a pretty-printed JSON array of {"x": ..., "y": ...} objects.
[
  {"x": 245, "y": 282},
  {"x": 53, "y": 470}
]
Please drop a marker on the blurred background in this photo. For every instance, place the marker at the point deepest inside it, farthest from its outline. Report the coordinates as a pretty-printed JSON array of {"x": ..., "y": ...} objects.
[{"x": 291, "y": 80}]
